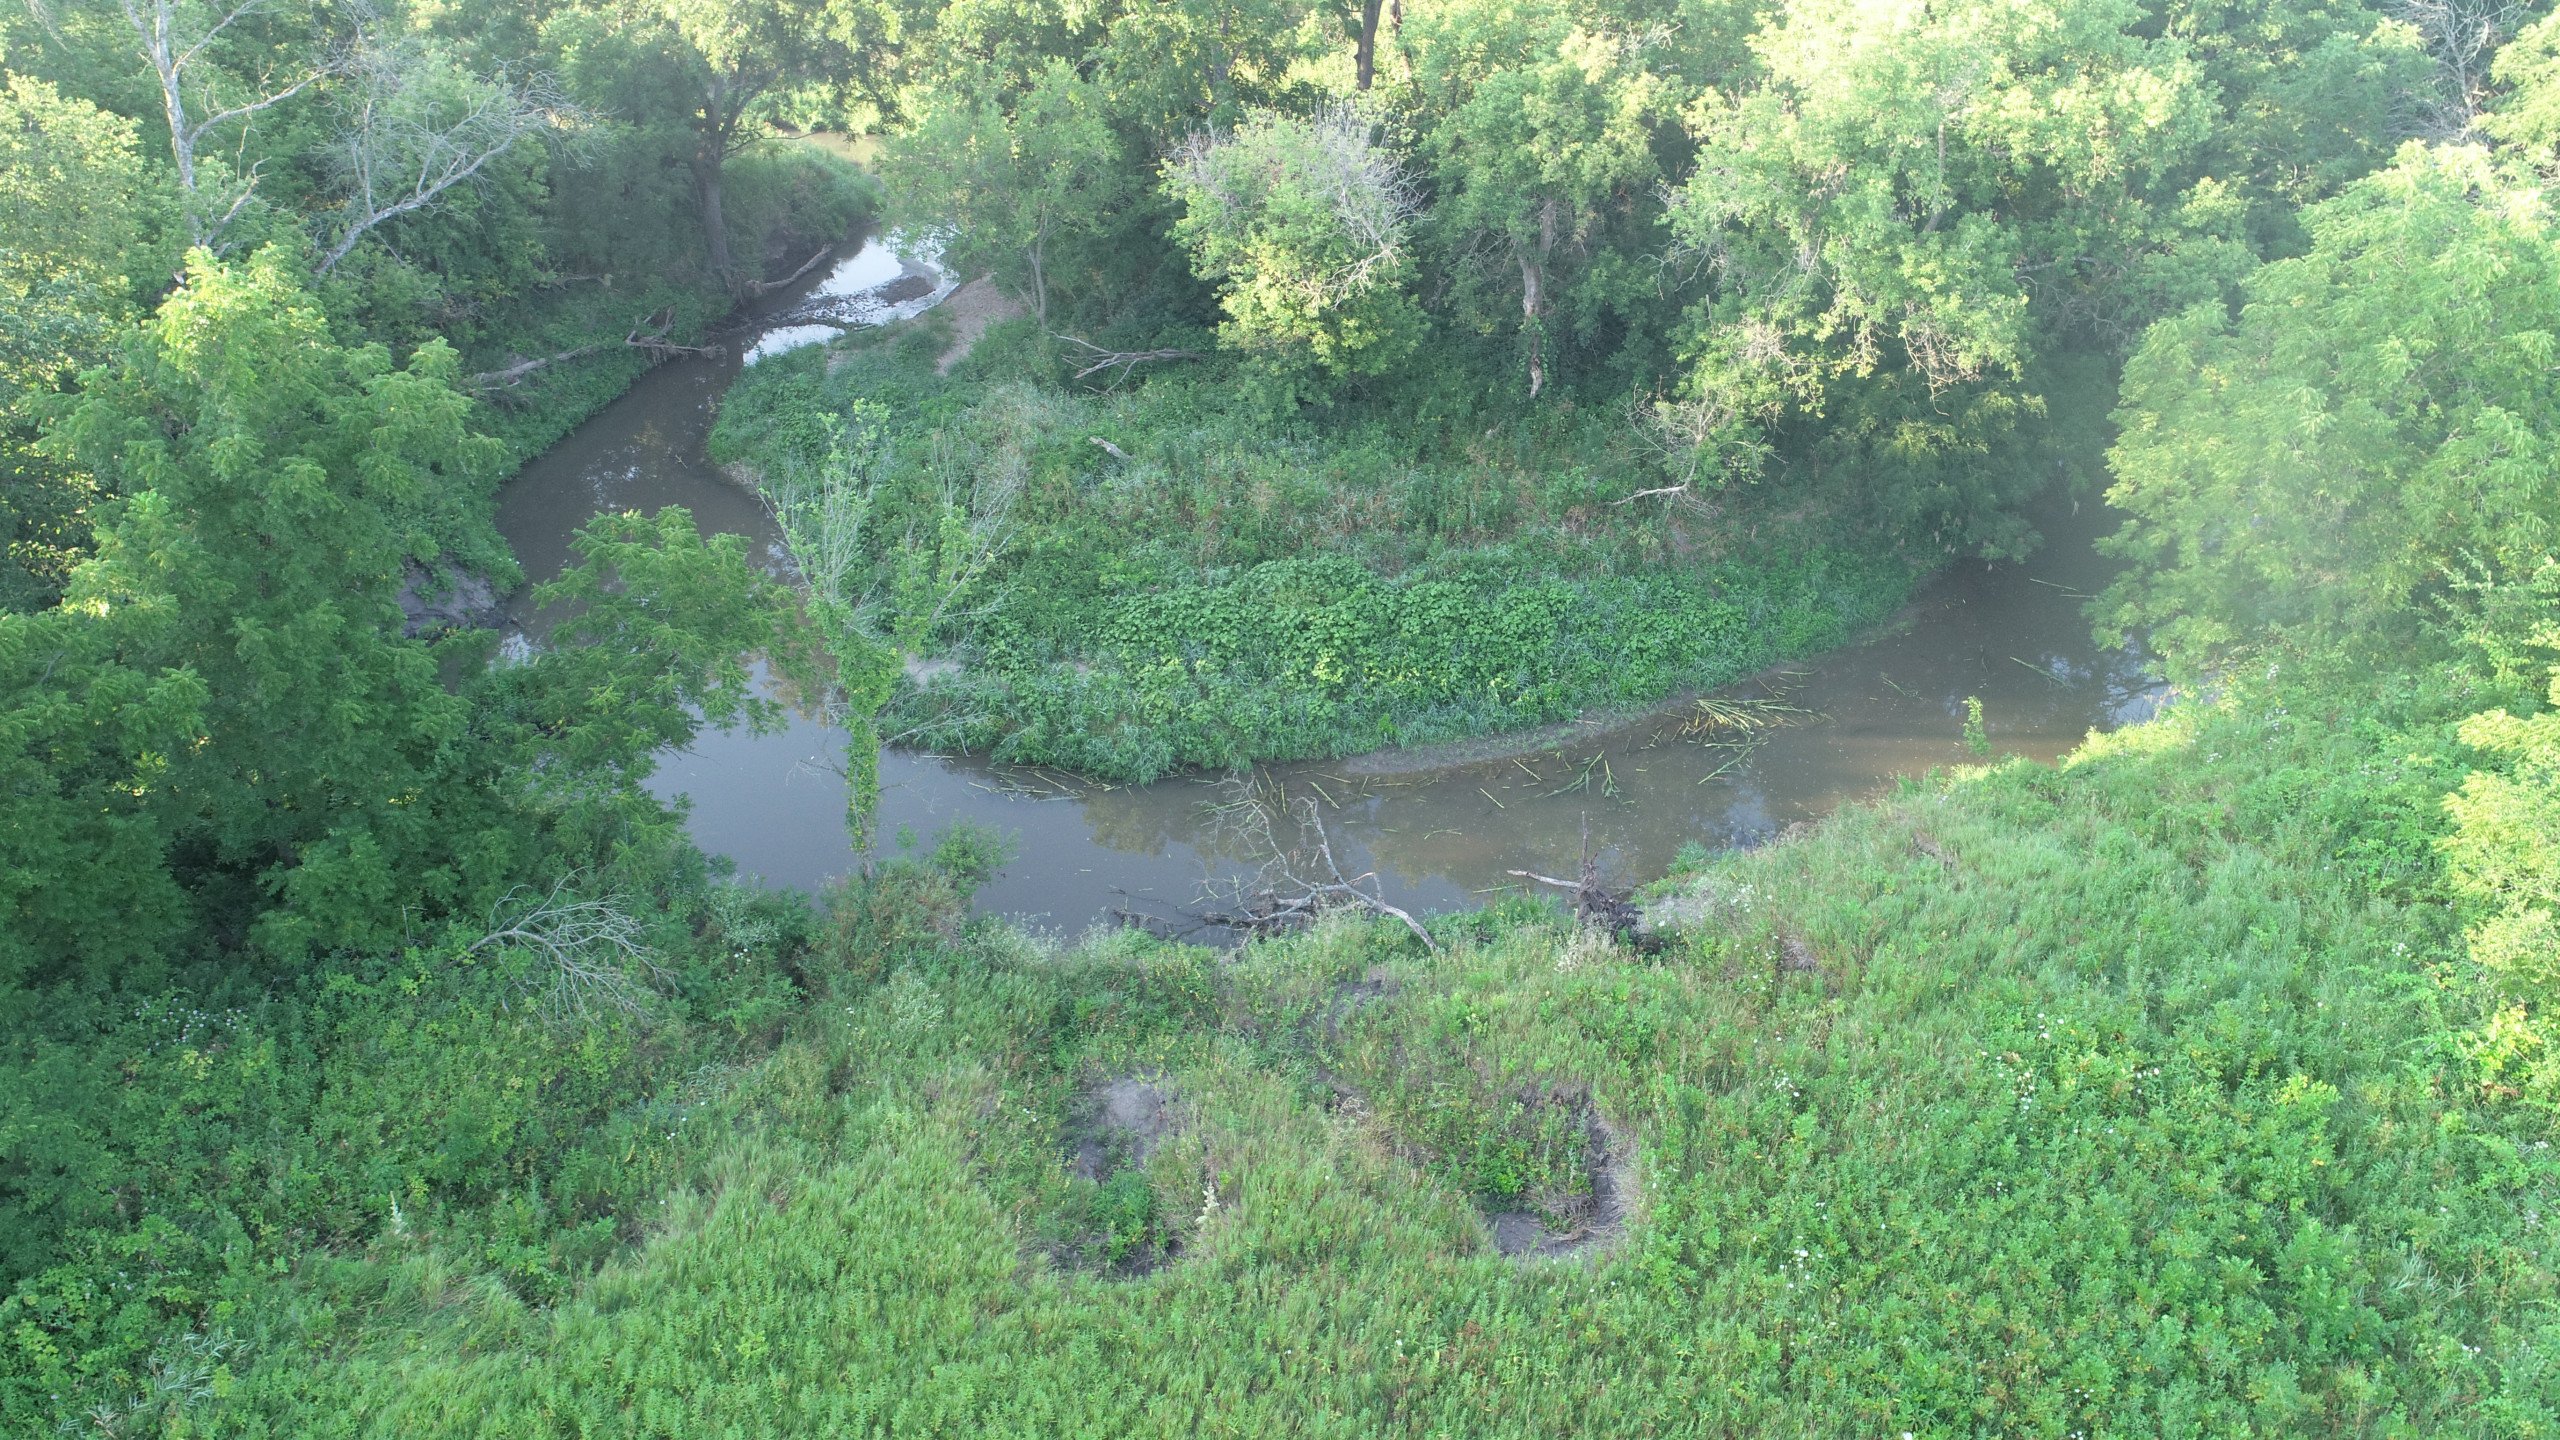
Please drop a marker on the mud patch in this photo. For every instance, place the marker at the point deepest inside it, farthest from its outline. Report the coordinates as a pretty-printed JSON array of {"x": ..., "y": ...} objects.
[
  {"x": 1561, "y": 1221},
  {"x": 904, "y": 289},
  {"x": 1116, "y": 1224}
]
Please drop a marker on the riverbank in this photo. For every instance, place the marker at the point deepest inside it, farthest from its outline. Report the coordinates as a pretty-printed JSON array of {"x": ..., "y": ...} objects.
[
  {"x": 1173, "y": 583},
  {"x": 1927, "y": 1122}
]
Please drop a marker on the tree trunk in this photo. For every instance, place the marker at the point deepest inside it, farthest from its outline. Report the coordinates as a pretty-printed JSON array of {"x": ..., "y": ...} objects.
[
  {"x": 1533, "y": 296},
  {"x": 715, "y": 223},
  {"x": 1365, "y": 57}
]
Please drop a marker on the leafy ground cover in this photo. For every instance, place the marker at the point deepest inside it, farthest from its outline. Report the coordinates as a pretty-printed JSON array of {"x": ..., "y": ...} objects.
[
  {"x": 1172, "y": 580},
  {"x": 2129, "y": 1097}
]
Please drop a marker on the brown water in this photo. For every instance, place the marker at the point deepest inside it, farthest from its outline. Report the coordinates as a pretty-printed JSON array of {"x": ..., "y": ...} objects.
[{"x": 1439, "y": 835}]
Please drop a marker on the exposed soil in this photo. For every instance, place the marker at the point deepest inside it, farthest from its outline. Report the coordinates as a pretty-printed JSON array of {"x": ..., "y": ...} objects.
[
  {"x": 1118, "y": 1124},
  {"x": 973, "y": 308},
  {"x": 1564, "y": 1226},
  {"x": 1118, "y": 1231},
  {"x": 1351, "y": 996}
]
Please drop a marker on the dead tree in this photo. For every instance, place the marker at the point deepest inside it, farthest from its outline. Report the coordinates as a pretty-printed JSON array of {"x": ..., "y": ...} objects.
[
  {"x": 589, "y": 954},
  {"x": 173, "y": 37},
  {"x": 1299, "y": 880},
  {"x": 417, "y": 127}
]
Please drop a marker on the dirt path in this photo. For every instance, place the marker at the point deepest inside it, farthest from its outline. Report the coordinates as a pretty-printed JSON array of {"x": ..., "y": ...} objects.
[{"x": 972, "y": 308}]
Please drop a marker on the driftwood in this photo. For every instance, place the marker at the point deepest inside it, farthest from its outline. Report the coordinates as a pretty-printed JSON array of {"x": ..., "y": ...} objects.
[
  {"x": 1122, "y": 360},
  {"x": 1297, "y": 882},
  {"x": 1595, "y": 905},
  {"x": 767, "y": 287},
  {"x": 652, "y": 342}
]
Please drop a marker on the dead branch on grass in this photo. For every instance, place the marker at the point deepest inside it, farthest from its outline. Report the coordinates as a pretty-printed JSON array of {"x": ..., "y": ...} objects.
[
  {"x": 592, "y": 953},
  {"x": 1122, "y": 360},
  {"x": 1299, "y": 880}
]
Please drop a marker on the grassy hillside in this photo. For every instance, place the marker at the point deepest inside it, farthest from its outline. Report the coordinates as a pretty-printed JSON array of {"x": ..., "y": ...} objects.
[{"x": 2123, "y": 1098}]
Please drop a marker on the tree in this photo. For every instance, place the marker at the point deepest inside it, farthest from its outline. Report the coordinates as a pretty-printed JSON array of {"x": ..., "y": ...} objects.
[
  {"x": 2527, "y": 117},
  {"x": 417, "y": 125},
  {"x": 877, "y": 597},
  {"x": 273, "y": 487},
  {"x": 716, "y": 67},
  {"x": 1176, "y": 68},
  {"x": 73, "y": 202},
  {"x": 200, "y": 101},
  {"x": 1304, "y": 224},
  {"x": 1026, "y": 188},
  {"x": 1893, "y": 224},
  {"x": 2377, "y": 419},
  {"x": 1539, "y": 132}
]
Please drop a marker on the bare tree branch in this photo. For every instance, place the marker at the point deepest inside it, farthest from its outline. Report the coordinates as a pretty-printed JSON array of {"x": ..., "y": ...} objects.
[
  {"x": 592, "y": 953},
  {"x": 1122, "y": 360},
  {"x": 159, "y": 28},
  {"x": 767, "y": 287},
  {"x": 418, "y": 127}
]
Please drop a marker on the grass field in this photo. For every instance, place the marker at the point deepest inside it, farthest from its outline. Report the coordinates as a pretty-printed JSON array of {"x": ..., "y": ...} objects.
[{"x": 2124, "y": 1098}]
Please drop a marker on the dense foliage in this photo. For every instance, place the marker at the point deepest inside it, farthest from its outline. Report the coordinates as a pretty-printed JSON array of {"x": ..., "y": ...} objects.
[
  {"x": 378, "y": 1058},
  {"x": 519, "y": 183}
]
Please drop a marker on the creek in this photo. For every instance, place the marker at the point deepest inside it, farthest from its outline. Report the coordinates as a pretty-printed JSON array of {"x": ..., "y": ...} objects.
[{"x": 1442, "y": 829}]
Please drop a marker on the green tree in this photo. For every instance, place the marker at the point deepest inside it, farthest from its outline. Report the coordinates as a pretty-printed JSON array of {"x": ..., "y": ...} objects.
[
  {"x": 1177, "y": 68},
  {"x": 2376, "y": 419},
  {"x": 2527, "y": 117},
  {"x": 1304, "y": 225},
  {"x": 224, "y": 720},
  {"x": 1030, "y": 190},
  {"x": 1539, "y": 134},
  {"x": 1912, "y": 201},
  {"x": 717, "y": 69},
  {"x": 74, "y": 204},
  {"x": 274, "y": 488}
]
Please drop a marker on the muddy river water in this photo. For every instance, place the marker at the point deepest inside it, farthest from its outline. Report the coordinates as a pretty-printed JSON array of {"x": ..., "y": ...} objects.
[{"x": 1439, "y": 832}]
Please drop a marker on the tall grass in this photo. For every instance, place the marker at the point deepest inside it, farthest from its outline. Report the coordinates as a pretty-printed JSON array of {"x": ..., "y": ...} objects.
[{"x": 2113, "y": 1099}]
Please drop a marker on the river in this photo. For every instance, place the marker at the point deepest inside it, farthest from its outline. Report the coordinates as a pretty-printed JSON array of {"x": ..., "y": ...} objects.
[{"x": 1439, "y": 832}]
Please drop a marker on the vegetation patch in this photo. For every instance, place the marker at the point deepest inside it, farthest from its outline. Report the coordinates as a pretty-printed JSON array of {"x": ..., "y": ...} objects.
[
  {"x": 1586, "y": 1177},
  {"x": 1129, "y": 583},
  {"x": 1114, "y": 1129}
]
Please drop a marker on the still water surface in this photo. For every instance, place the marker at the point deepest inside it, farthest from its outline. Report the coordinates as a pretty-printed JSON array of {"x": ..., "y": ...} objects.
[{"x": 1439, "y": 836}]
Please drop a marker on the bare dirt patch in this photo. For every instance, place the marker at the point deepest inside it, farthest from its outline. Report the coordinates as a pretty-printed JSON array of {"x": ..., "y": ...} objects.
[
  {"x": 1118, "y": 1124},
  {"x": 1117, "y": 1226},
  {"x": 973, "y": 308},
  {"x": 1562, "y": 1223}
]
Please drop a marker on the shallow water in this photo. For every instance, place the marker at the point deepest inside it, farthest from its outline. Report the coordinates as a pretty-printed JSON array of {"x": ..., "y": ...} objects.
[{"x": 1440, "y": 837}]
